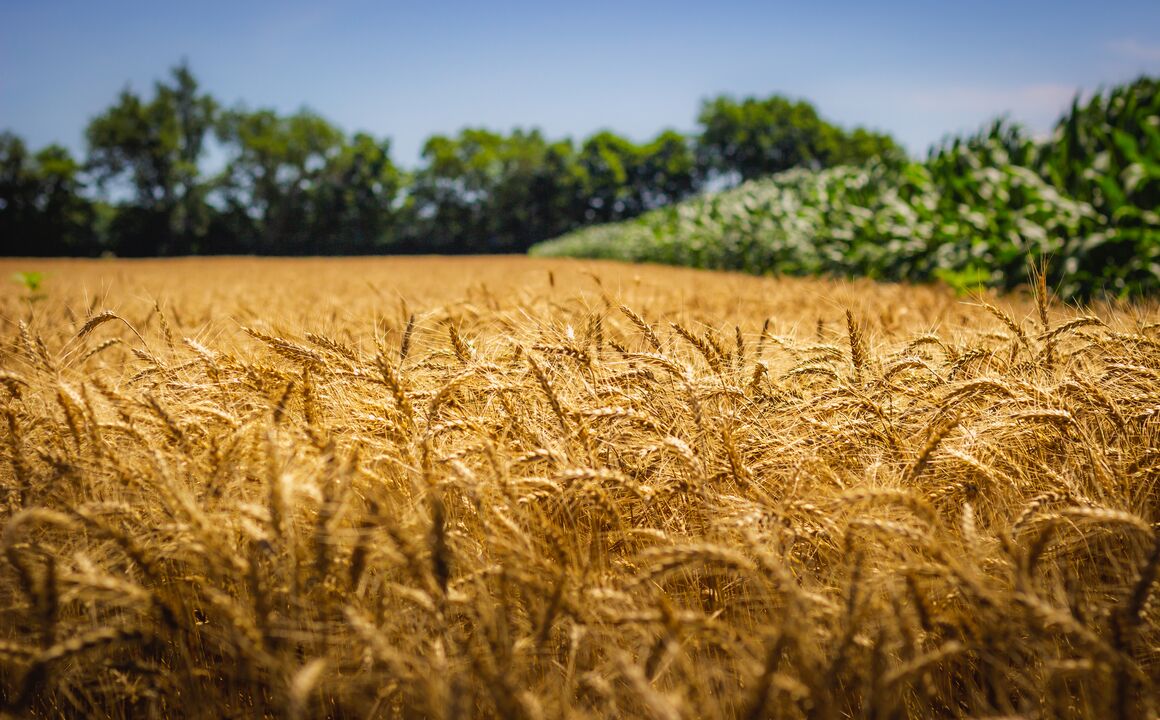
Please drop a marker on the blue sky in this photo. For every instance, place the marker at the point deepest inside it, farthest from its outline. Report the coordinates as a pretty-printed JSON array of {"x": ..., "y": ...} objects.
[{"x": 407, "y": 70}]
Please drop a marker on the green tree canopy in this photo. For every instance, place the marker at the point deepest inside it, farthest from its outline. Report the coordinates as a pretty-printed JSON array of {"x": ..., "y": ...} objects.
[
  {"x": 609, "y": 163},
  {"x": 154, "y": 147},
  {"x": 665, "y": 171},
  {"x": 755, "y": 137},
  {"x": 355, "y": 197},
  {"x": 277, "y": 165},
  {"x": 483, "y": 191},
  {"x": 41, "y": 209}
]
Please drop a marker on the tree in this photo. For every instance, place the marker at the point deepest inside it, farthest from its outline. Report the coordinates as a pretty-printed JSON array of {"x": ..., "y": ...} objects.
[
  {"x": 754, "y": 137},
  {"x": 861, "y": 145},
  {"x": 665, "y": 172},
  {"x": 270, "y": 181},
  {"x": 42, "y": 210},
  {"x": 353, "y": 209},
  {"x": 556, "y": 193},
  {"x": 447, "y": 193},
  {"x": 485, "y": 192},
  {"x": 609, "y": 164},
  {"x": 152, "y": 149},
  {"x": 535, "y": 194}
]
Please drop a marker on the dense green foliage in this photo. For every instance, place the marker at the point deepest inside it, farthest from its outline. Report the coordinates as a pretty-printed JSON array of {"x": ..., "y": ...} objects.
[
  {"x": 295, "y": 184},
  {"x": 975, "y": 213},
  {"x": 755, "y": 138},
  {"x": 40, "y": 202},
  {"x": 153, "y": 147}
]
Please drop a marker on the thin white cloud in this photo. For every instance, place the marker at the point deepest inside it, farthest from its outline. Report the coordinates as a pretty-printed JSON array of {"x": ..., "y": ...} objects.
[
  {"x": 1026, "y": 102},
  {"x": 1133, "y": 49},
  {"x": 922, "y": 115}
]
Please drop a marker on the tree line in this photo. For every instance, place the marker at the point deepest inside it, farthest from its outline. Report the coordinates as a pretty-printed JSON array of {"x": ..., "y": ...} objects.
[{"x": 294, "y": 184}]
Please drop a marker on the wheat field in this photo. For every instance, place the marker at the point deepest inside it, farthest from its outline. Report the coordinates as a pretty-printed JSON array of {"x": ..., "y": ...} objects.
[{"x": 520, "y": 488}]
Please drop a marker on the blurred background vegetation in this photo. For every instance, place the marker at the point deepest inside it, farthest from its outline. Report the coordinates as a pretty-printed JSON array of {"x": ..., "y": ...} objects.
[
  {"x": 764, "y": 185},
  {"x": 980, "y": 211},
  {"x": 298, "y": 185}
]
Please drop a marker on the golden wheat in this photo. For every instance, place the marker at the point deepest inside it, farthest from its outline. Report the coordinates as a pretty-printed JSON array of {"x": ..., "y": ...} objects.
[{"x": 504, "y": 498}]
